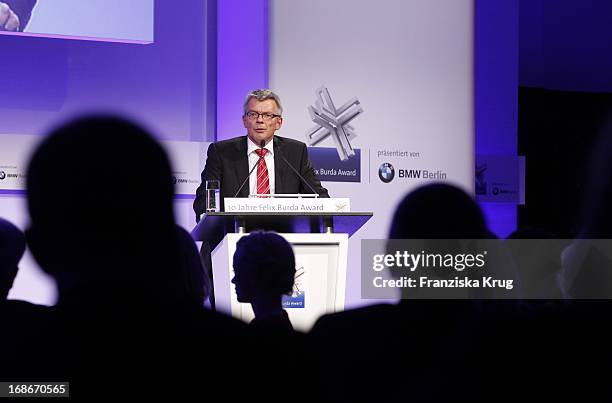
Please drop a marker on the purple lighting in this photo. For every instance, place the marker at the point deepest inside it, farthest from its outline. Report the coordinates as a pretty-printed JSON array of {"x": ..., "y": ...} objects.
[
  {"x": 496, "y": 94},
  {"x": 242, "y": 59}
]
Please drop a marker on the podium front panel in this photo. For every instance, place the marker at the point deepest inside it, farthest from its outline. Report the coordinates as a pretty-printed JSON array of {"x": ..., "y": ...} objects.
[{"x": 321, "y": 263}]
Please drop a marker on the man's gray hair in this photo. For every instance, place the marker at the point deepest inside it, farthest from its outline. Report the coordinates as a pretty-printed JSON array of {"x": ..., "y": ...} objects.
[{"x": 262, "y": 95}]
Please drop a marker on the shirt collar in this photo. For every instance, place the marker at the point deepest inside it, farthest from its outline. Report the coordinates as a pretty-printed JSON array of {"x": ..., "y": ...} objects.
[{"x": 251, "y": 147}]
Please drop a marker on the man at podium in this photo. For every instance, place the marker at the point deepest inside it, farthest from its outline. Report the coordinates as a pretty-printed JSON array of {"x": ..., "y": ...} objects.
[{"x": 260, "y": 162}]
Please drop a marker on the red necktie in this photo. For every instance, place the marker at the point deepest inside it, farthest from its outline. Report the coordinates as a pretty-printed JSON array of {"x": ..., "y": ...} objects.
[{"x": 263, "y": 181}]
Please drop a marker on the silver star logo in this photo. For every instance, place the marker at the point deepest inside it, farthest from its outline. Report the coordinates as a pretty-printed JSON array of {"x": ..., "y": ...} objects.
[
  {"x": 333, "y": 122},
  {"x": 340, "y": 206}
]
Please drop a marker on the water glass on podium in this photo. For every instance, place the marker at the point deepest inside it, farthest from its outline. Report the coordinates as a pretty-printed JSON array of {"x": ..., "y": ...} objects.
[{"x": 213, "y": 196}]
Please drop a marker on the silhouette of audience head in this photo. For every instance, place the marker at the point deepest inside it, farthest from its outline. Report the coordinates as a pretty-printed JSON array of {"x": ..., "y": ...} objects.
[
  {"x": 438, "y": 211},
  {"x": 434, "y": 218},
  {"x": 12, "y": 246},
  {"x": 264, "y": 270},
  {"x": 100, "y": 200},
  {"x": 194, "y": 284}
]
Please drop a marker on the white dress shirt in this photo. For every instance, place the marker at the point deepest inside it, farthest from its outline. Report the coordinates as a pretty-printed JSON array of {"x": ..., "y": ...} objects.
[{"x": 254, "y": 158}]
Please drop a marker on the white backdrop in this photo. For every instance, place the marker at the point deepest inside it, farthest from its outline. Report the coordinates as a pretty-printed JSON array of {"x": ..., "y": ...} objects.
[{"x": 410, "y": 64}]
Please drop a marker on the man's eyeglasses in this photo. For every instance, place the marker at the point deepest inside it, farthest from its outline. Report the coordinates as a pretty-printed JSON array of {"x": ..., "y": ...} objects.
[{"x": 266, "y": 116}]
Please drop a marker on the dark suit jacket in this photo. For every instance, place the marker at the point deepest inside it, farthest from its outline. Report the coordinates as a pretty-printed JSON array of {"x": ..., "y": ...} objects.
[{"x": 227, "y": 162}]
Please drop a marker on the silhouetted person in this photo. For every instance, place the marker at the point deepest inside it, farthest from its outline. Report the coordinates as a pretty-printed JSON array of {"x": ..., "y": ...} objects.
[
  {"x": 194, "y": 284},
  {"x": 420, "y": 349},
  {"x": 438, "y": 211},
  {"x": 264, "y": 271},
  {"x": 18, "y": 319},
  {"x": 100, "y": 200},
  {"x": 12, "y": 247},
  {"x": 436, "y": 217}
]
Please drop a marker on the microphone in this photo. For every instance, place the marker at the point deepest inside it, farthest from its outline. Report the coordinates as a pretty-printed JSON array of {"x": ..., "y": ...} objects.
[
  {"x": 262, "y": 144},
  {"x": 296, "y": 172}
]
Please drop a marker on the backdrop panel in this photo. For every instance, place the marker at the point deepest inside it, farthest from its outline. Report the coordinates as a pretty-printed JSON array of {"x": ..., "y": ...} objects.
[{"x": 403, "y": 70}]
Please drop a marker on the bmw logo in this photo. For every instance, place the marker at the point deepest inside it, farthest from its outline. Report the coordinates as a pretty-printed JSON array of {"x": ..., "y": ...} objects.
[
  {"x": 2, "y": 175},
  {"x": 386, "y": 173}
]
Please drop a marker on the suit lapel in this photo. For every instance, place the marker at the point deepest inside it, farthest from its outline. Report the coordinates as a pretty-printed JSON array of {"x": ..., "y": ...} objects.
[
  {"x": 279, "y": 164},
  {"x": 242, "y": 165}
]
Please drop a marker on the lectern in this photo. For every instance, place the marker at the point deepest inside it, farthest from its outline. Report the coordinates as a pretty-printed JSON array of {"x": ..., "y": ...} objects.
[{"x": 320, "y": 244}]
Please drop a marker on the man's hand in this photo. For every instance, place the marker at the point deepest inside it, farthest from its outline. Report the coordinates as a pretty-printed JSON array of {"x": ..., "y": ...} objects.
[{"x": 8, "y": 19}]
